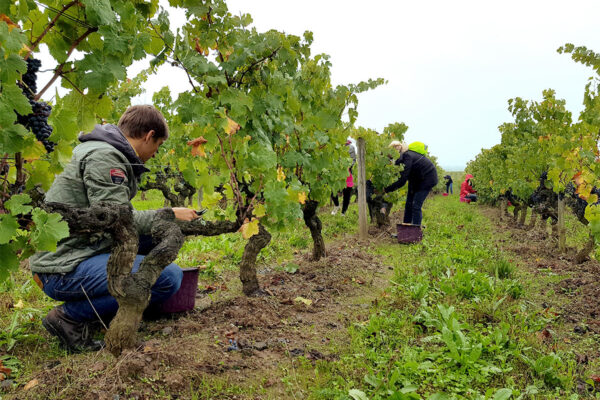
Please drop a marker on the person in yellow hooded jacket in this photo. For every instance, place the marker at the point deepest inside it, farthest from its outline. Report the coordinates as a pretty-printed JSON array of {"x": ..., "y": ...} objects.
[{"x": 421, "y": 175}]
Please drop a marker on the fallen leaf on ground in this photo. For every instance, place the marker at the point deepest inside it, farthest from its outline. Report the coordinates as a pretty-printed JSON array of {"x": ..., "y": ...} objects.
[
  {"x": 4, "y": 371},
  {"x": 31, "y": 384},
  {"x": 303, "y": 300}
]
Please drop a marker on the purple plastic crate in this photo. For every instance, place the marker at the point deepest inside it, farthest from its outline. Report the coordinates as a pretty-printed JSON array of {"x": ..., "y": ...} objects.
[
  {"x": 185, "y": 298},
  {"x": 408, "y": 233}
]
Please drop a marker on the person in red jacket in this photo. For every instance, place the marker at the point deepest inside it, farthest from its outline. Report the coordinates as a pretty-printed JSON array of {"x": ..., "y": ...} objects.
[{"x": 467, "y": 193}]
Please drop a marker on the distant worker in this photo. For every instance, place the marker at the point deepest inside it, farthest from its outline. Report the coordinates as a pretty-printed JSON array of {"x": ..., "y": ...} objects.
[
  {"x": 421, "y": 175},
  {"x": 467, "y": 193},
  {"x": 448, "y": 180},
  {"x": 347, "y": 192}
]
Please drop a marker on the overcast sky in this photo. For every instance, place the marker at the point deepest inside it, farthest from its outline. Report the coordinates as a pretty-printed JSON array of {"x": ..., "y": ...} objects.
[{"x": 451, "y": 66}]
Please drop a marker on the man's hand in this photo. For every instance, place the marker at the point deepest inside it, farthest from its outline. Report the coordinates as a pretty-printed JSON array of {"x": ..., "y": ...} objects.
[{"x": 185, "y": 214}]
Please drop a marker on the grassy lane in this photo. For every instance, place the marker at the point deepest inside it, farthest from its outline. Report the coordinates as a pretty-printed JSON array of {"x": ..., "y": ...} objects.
[
  {"x": 466, "y": 314},
  {"x": 457, "y": 322}
]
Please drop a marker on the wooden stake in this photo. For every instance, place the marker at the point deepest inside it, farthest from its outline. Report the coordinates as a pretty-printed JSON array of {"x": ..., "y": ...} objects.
[
  {"x": 561, "y": 224},
  {"x": 200, "y": 197},
  {"x": 362, "y": 192}
]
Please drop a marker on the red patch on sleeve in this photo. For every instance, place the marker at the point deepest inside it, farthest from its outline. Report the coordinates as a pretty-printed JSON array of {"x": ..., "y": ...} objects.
[{"x": 117, "y": 176}]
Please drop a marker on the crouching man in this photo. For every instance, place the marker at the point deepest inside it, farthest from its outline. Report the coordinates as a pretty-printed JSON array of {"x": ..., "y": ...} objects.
[{"x": 105, "y": 167}]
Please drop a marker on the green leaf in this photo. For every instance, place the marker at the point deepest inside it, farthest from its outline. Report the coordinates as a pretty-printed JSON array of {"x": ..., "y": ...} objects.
[
  {"x": 8, "y": 228},
  {"x": 12, "y": 39},
  {"x": 12, "y": 68},
  {"x": 503, "y": 394},
  {"x": 10, "y": 261},
  {"x": 439, "y": 396},
  {"x": 357, "y": 394},
  {"x": 12, "y": 139},
  {"x": 17, "y": 204},
  {"x": 48, "y": 230},
  {"x": 99, "y": 12},
  {"x": 291, "y": 268},
  {"x": 13, "y": 100}
]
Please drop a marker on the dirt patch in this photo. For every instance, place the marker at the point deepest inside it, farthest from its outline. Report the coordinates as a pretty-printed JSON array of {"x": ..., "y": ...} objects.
[{"x": 243, "y": 341}]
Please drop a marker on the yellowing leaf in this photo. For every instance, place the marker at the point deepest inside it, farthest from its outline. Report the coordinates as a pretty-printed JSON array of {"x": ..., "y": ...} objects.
[
  {"x": 198, "y": 146},
  {"x": 199, "y": 48},
  {"x": 302, "y": 197},
  {"x": 11, "y": 25},
  {"x": 280, "y": 174},
  {"x": 31, "y": 384},
  {"x": 19, "y": 304},
  {"x": 259, "y": 210},
  {"x": 34, "y": 152},
  {"x": 232, "y": 126},
  {"x": 249, "y": 229},
  {"x": 307, "y": 302}
]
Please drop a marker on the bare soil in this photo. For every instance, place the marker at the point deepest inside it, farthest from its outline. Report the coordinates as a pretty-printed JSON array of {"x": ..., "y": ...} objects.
[{"x": 245, "y": 342}]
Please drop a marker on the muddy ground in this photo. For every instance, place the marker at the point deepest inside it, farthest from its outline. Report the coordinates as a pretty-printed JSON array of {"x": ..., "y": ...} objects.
[{"x": 229, "y": 339}]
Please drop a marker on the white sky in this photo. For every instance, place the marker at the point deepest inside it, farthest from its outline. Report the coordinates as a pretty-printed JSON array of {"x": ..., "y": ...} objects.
[{"x": 451, "y": 66}]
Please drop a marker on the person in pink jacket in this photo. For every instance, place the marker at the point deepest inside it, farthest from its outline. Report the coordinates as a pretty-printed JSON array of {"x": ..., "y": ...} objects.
[{"x": 347, "y": 192}]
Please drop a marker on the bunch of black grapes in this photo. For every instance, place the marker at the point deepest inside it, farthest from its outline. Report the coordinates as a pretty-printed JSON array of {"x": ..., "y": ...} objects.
[
  {"x": 30, "y": 78},
  {"x": 37, "y": 121}
]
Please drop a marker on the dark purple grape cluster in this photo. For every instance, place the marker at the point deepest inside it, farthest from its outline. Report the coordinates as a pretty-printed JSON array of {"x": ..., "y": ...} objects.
[
  {"x": 29, "y": 78},
  {"x": 37, "y": 121}
]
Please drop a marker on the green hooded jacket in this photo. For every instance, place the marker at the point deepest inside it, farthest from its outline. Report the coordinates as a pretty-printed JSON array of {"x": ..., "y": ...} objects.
[{"x": 104, "y": 168}]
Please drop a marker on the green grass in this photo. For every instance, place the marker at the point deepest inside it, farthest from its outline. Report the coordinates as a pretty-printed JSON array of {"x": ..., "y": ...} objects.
[
  {"x": 459, "y": 319},
  {"x": 458, "y": 323}
]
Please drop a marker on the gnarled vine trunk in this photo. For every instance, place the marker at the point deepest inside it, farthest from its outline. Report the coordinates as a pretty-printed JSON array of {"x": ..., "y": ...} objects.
[
  {"x": 523, "y": 215},
  {"x": 532, "y": 220},
  {"x": 248, "y": 265},
  {"x": 171, "y": 198},
  {"x": 583, "y": 254},
  {"x": 503, "y": 210},
  {"x": 132, "y": 291},
  {"x": 375, "y": 205},
  {"x": 313, "y": 223},
  {"x": 516, "y": 210}
]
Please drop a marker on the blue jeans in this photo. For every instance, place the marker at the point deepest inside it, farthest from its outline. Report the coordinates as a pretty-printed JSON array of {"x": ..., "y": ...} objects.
[
  {"x": 414, "y": 203},
  {"x": 449, "y": 188},
  {"x": 90, "y": 276},
  {"x": 472, "y": 197}
]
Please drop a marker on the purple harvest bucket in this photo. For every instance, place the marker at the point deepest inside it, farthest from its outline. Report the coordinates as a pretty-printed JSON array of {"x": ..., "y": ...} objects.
[
  {"x": 409, "y": 233},
  {"x": 185, "y": 298}
]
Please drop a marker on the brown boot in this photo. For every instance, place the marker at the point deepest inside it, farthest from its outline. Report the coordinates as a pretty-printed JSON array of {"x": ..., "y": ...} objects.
[{"x": 75, "y": 336}]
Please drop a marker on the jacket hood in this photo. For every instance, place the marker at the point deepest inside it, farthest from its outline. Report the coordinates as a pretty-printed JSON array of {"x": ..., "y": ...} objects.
[
  {"x": 418, "y": 147},
  {"x": 469, "y": 176},
  {"x": 112, "y": 135}
]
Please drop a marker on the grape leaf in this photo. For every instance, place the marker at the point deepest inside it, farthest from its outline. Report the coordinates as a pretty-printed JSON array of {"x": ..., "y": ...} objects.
[
  {"x": 11, "y": 68},
  {"x": 12, "y": 39},
  {"x": 8, "y": 228},
  {"x": 249, "y": 228},
  {"x": 17, "y": 204},
  {"x": 99, "y": 12},
  {"x": 48, "y": 230},
  {"x": 10, "y": 261},
  {"x": 12, "y": 139}
]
